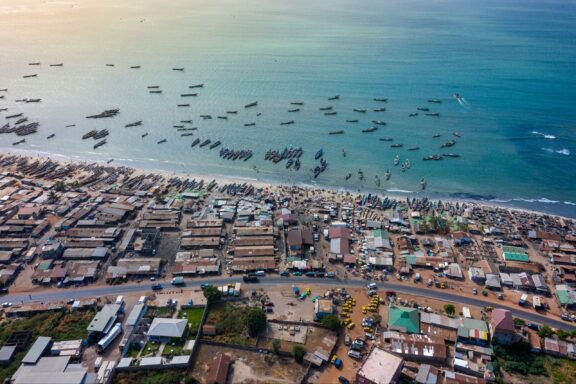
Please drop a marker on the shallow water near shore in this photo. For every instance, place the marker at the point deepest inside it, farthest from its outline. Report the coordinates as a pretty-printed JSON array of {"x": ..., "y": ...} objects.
[{"x": 512, "y": 62}]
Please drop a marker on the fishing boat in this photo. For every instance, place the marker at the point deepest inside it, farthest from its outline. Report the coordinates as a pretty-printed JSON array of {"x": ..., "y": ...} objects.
[
  {"x": 386, "y": 139},
  {"x": 231, "y": 112},
  {"x": 371, "y": 129},
  {"x": 250, "y": 105},
  {"x": 289, "y": 163},
  {"x": 222, "y": 117},
  {"x": 186, "y": 121},
  {"x": 359, "y": 110},
  {"x": 348, "y": 176},
  {"x": 187, "y": 134},
  {"x": 319, "y": 154},
  {"x": 205, "y": 143},
  {"x": 287, "y": 122},
  {"x": 178, "y": 69},
  {"x": 352, "y": 121},
  {"x": 422, "y": 184},
  {"x": 183, "y": 105},
  {"x": 196, "y": 86},
  {"x": 135, "y": 67},
  {"x": 101, "y": 134},
  {"x": 423, "y": 109},
  {"x": 388, "y": 174},
  {"x": 343, "y": 153},
  {"x": 326, "y": 108},
  {"x": 436, "y": 135},
  {"x": 51, "y": 136},
  {"x": 215, "y": 144},
  {"x": 457, "y": 134},
  {"x": 378, "y": 122},
  {"x": 413, "y": 114},
  {"x": 296, "y": 103},
  {"x": 432, "y": 157},
  {"x": 29, "y": 76},
  {"x": 89, "y": 134},
  {"x": 57, "y": 65},
  {"x": 153, "y": 87},
  {"x": 134, "y": 124},
  {"x": 195, "y": 143},
  {"x": 330, "y": 113},
  {"x": 14, "y": 116},
  {"x": 109, "y": 65},
  {"x": 297, "y": 164},
  {"x": 106, "y": 113},
  {"x": 435, "y": 114},
  {"x": 19, "y": 142},
  {"x": 206, "y": 117},
  {"x": 161, "y": 141},
  {"x": 155, "y": 92},
  {"x": 413, "y": 148},
  {"x": 377, "y": 180},
  {"x": 449, "y": 143},
  {"x": 144, "y": 135},
  {"x": 189, "y": 95},
  {"x": 249, "y": 124},
  {"x": 379, "y": 110},
  {"x": 397, "y": 145},
  {"x": 450, "y": 155},
  {"x": 336, "y": 132},
  {"x": 396, "y": 160},
  {"x": 436, "y": 101},
  {"x": 334, "y": 97},
  {"x": 294, "y": 110},
  {"x": 99, "y": 144},
  {"x": 381, "y": 100},
  {"x": 109, "y": 161}
]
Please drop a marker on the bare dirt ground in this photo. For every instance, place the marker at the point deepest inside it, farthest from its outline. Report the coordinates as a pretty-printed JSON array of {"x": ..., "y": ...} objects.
[{"x": 249, "y": 367}]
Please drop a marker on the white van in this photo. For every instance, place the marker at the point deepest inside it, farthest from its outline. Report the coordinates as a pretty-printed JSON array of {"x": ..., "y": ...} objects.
[
  {"x": 260, "y": 273},
  {"x": 354, "y": 354},
  {"x": 372, "y": 286}
]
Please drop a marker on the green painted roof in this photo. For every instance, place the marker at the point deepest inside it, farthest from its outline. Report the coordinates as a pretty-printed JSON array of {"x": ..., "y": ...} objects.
[
  {"x": 564, "y": 297},
  {"x": 411, "y": 259},
  {"x": 404, "y": 319},
  {"x": 381, "y": 233},
  {"x": 514, "y": 256}
]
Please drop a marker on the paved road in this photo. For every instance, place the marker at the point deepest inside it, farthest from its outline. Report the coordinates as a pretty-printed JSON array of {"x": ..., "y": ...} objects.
[{"x": 417, "y": 290}]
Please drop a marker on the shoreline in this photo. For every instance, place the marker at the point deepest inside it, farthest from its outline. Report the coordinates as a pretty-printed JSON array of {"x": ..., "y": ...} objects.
[{"x": 258, "y": 183}]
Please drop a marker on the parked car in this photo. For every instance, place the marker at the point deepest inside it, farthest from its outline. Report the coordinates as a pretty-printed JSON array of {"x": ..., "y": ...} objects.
[
  {"x": 343, "y": 380},
  {"x": 157, "y": 287}
]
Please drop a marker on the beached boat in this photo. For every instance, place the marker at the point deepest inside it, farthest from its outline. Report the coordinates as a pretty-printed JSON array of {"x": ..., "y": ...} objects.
[
  {"x": 206, "y": 117},
  {"x": 205, "y": 143},
  {"x": 186, "y": 134},
  {"x": 336, "y": 132},
  {"x": 33, "y": 63},
  {"x": 134, "y": 124},
  {"x": 14, "y": 116},
  {"x": 422, "y": 184},
  {"x": 153, "y": 87},
  {"x": 109, "y": 65},
  {"x": 106, "y": 113},
  {"x": 250, "y": 105},
  {"x": 222, "y": 117},
  {"x": 89, "y": 134},
  {"x": 186, "y": 121},
  {"x": 161, "y": 141},
  {"x": 19, "y": 142},
  {"x": 135, "y": 67},
  {"x": 232, "y": 112}
]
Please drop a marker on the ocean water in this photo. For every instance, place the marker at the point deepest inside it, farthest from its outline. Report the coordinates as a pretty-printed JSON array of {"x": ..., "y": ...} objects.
[{"x": 513, "y": 62}]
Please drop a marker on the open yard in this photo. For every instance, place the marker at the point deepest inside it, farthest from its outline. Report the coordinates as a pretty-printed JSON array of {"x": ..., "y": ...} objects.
[
  {"x": 231, "y": 324},
  {"x": 60, "y": 325},
  {"x": 172, "y": 376},
  {"x": 194, "y": 316}
]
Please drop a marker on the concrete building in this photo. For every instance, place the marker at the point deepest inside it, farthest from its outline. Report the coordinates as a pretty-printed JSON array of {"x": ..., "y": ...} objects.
[
  {"x": 502, "y": 327},
  {"x": 380, "y": 367},
  {"x": 163, "y": 329}
]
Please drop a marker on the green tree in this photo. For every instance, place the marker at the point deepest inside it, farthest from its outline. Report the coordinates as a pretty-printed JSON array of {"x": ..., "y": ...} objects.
[
  {"x": 59, "y": 186},
  {"x": 276, "y": 345},
  {"x": 256, "y": 321},
  {"x": 449, "y": 309},
  {"x": 519, "y": 323},
  {"x": 545, "y": 331},
  {"x": 573, "y": 333},
  {"x": 212, "y": 294},
  {"x": 158, "y": 198},
  {"x": 331, "y": 322},
  {"x": 190, "y": 380},
  {"x": 562, "y": 334},
  {"x": 298, "y": 351},
  {"x": 52, "y": 197},
  {"x": 377, "y": 319}
]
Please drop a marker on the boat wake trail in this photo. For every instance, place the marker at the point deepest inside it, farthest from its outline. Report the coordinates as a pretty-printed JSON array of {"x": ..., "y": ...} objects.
[
  {"x": 563, "y": 151},
  {"x": 550, "y": 137}
]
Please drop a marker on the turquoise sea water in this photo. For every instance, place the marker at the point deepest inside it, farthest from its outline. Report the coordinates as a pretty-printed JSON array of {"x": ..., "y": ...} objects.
[{"x": 514, "y": 62}]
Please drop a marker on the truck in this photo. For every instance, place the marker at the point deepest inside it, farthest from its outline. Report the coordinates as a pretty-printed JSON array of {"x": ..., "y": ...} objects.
[
  {"x": 178, "y": 281},
  {"x": 237, "y": 288},
  {"x": 260, "y": 273},
  {"x": 109, "y": 338},
  {"x": 523, "y": 300},
  {"x": 250, "y": 278},
  {"x": 296, "y": 290}
]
